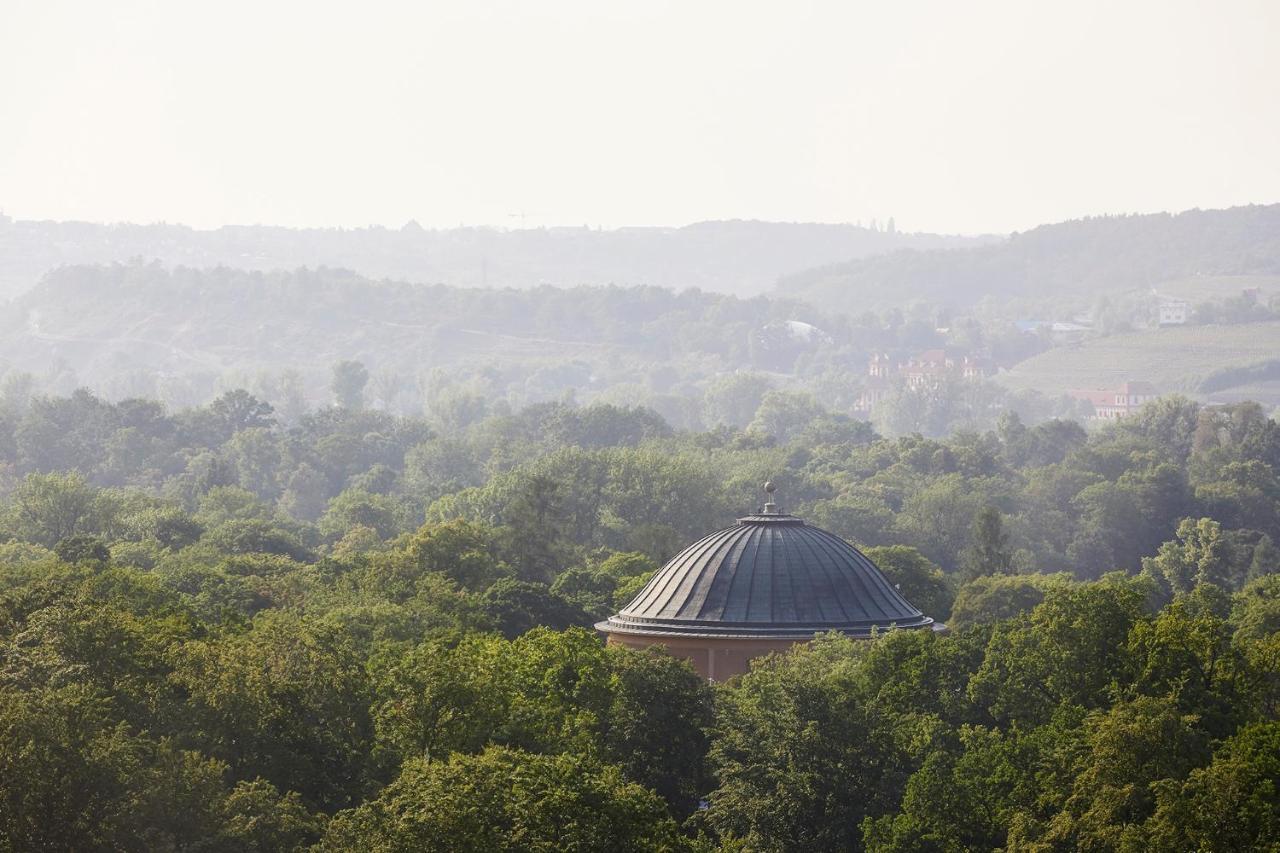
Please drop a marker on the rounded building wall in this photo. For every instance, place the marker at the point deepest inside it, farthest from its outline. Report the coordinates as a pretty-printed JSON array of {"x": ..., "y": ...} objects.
[
  {"x": 715, "y": 659},
  {"x": 720, "y": 658}
]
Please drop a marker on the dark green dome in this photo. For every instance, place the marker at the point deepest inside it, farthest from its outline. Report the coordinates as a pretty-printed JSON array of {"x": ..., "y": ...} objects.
[{"x": 771, "y": 576}]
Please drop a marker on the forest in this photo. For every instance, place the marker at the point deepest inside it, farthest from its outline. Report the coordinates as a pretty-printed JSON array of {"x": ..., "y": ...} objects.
[
  {"x": 184, "y": 336},
  {"x": 228, "y": 627}
]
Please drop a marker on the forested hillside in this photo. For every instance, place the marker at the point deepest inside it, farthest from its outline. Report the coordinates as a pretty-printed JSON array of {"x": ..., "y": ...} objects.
[
  {"x": 141, "y": 330},
  {"x": 184, "y": 336},
  {"x": 739, "y": 257},
  {"x": 362, "y": 631},
  {"x": 1070, "y": 262}
]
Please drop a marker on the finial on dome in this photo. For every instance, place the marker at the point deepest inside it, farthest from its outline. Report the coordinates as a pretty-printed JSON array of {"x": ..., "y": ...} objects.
[{"x": 770, "y": 508}]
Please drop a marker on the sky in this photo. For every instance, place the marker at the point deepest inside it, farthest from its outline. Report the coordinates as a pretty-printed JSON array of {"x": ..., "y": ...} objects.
[{"x": 956, "y": 117}]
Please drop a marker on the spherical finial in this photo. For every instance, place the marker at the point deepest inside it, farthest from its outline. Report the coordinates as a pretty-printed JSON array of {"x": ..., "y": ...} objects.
[{"x": 770, "y": 487}]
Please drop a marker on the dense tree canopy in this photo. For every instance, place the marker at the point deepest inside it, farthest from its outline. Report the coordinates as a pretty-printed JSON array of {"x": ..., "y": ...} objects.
[{"x": 221, "y": 630}]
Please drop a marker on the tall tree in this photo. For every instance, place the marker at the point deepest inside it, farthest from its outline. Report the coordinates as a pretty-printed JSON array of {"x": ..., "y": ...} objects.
[
  {"x": 46, "y": 508},
  {"x": 535, "y": 519},
  {"x": 238, "y": 410},
  {"x": 349, "y": 379},
  {"x": 988, "y": 552}
]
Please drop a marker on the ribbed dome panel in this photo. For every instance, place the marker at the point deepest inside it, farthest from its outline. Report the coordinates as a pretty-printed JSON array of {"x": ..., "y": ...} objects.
[{"x": 770, "y": 575}]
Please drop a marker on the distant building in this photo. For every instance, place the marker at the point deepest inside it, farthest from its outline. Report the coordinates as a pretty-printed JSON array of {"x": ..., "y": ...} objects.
[
  {"x": 928, "y": 368},
  {"x": 976, "y": 368},
  {"x": 776, "y": 346},
  {"x": 881, "y": 365},
  {"x": 880, "y": 372},
  {"x": 1110, "y": 405},
  {"x": 1060, "y": 331},
  {"x": 923, "y": 370},
  {"x": 1173, "y": 311}
]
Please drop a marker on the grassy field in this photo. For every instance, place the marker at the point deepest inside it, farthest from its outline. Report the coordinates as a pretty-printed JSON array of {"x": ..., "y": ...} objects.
[
  {"x": 1173, "y": 359},
  {"x": 1266, "y": 393}
]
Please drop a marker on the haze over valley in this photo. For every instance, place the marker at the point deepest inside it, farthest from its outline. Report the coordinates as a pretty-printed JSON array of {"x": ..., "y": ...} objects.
[{"x": 648, "y": 315}]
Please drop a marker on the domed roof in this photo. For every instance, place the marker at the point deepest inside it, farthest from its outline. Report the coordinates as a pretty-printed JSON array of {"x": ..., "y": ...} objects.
[{"x": 771, "y": 576}]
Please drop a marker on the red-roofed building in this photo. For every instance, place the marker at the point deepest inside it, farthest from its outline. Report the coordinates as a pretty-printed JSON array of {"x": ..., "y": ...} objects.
[
  {"x": 924, "y": 370},
  {"x": 1118, "y": 403}
]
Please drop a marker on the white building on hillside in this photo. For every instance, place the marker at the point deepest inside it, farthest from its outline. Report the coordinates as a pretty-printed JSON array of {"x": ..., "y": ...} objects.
[{"x": 1173, "y": 311}]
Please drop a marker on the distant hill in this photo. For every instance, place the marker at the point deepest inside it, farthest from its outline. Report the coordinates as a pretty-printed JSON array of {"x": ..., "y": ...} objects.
[
  {"x": 739, "y": 257},
  {"x": 1069, "y": 261}
]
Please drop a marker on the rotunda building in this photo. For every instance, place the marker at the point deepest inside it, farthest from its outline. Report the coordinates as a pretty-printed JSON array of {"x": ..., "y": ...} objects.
[{"x": 763, "y": 585}]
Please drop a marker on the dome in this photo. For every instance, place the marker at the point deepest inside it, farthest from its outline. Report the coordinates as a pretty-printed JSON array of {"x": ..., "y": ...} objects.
[{"x": 771, "y": 576}]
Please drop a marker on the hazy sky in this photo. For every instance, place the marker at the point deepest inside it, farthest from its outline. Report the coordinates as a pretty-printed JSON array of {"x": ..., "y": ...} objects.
[{"x": 950, "y": 116}]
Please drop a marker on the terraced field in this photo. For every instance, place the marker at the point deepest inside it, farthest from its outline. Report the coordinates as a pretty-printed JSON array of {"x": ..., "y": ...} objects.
[{"x": 1173, "y": 359}]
